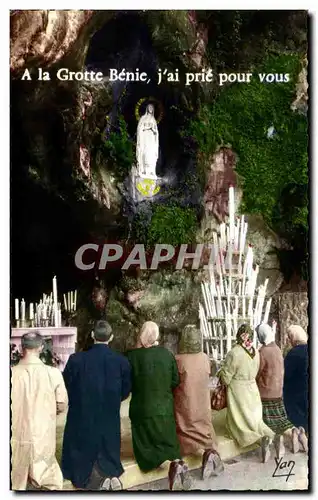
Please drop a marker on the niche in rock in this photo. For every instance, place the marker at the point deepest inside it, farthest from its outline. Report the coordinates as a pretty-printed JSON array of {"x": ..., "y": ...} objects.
[{"x": 125, "y": 42}]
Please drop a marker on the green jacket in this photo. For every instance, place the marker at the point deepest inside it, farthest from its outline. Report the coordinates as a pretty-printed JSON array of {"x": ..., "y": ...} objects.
[{"x": 154, "y": 376}]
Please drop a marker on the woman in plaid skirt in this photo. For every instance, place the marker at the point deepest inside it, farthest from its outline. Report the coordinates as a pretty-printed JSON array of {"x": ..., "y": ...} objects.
[{"x": 270, "y": 379}]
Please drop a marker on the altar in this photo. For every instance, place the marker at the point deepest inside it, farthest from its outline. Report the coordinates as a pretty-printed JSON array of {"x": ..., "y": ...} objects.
[{"x": 63, "y": 340}]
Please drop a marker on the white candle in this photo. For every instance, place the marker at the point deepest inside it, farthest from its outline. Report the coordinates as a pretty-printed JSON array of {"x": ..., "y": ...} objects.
[
  {"x": 231, "y": 211},
  {"x": 203, "y": 285},
  {"x": 212, "y": 280},
  {"x": 16, "y": 304},
  {"x": 267, "y": 309},
  {"x": 31, "y": 311},
  {"x": 219, "y": 303},
  {"x": 75, "y": 300},
  {"x": 228, "y": 323},
  {"x": 44, "y": 315},
  {"x": 65, "y": 304},
  {"x": 213, "y": 305},
  {"x": 68, "y": 301},
  {"x": 222, "y": 236},
  {"x": 249, "y": 261},
  {"x": 241, "y": 239},
  {"x": 56, "y": 317},
  {"x": 216, "y": 246},
  {"x": 22, "y": 310}
]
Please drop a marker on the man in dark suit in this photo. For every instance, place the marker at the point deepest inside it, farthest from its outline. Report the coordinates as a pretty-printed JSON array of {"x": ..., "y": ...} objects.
[{"x": 97, "y": 381}]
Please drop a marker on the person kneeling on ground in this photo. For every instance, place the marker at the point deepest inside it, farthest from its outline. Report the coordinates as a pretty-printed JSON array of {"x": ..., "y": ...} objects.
[
  {"x": 244, "y": 416},
  {"x": 192, "y": 404},
  {"x": 38, "y": 394},
  {"x": 97, "y": 382},
  {"x": 295, "y": 391},
  {"x": 153, "y": 426},
  {"x": 270, "y": 384}
]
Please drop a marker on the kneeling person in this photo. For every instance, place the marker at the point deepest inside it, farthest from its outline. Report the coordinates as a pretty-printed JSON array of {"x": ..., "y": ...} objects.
[
  {"x": 38, "y": 394},
  {"x": 97, "y": 382},
  {"x": 192, "y": 403}
]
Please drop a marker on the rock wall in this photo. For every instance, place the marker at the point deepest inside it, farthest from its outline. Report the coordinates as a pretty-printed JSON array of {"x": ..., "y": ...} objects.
[
  {"x": 170, "y": 298},
  {"x": 289, "y": 309}
]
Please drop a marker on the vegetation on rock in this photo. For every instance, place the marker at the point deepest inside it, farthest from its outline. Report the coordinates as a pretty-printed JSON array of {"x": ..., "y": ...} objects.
[
  {"x": 274, "y": 170},
  {"x": 119, "y": 148},
  {"x": 169, "y": 224}
]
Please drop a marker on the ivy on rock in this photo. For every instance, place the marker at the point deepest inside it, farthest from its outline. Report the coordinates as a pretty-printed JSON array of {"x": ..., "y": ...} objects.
[{"x": 268, "y": 164}]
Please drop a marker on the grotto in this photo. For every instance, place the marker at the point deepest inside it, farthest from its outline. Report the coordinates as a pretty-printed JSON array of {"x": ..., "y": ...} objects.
[{"x": 73, "y": 146}]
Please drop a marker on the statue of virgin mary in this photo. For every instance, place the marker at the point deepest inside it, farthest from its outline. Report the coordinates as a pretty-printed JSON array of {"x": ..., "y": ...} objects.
[{"x": 147, "y": 150}]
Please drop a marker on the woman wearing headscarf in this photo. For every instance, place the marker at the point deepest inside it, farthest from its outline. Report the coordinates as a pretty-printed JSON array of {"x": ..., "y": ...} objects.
[
  {"x": 295, "y": 392},
  {"x": 244, "y": 417},
  {"x": 151, "y": 411},
  {"x": 192, "y": 403},
  {"x": 270, "y": 379}
]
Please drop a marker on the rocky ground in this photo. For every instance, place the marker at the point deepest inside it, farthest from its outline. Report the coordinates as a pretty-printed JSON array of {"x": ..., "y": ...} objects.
[{"x": 246, "y": 472}]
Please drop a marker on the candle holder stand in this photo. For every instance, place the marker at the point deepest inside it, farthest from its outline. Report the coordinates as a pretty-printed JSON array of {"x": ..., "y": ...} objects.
[{"x": 231, "y": 295}]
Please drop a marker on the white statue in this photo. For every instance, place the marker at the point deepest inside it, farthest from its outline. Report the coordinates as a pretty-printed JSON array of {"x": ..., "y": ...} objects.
[{"x": 147, "y": 151}]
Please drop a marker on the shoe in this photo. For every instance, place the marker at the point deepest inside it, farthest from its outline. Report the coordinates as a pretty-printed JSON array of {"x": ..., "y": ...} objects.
[
  {"x": 174, "y": 475},
  {"x": 295, "y": 440},
  {"x": 115, "y": 484},
  {"x": 279, "y": 446},
  {"x": 212, "y": 464},
  {"x": 186, "y": 479},
  {"x": 105, "y": 485},
  {"x": 265, "y": 449},
  {"x": 302, "y": 438}
]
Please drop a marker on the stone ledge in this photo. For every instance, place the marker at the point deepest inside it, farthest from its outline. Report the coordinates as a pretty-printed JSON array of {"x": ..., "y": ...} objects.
[{"x": 133, "y": 476}]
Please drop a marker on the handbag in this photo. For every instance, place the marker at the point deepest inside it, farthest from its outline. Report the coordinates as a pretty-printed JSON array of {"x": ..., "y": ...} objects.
[{"x": 218, "y": 399}]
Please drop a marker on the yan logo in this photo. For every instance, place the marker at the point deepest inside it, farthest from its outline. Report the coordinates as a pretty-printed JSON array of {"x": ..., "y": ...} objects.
[{"x": 148, "y": 187}]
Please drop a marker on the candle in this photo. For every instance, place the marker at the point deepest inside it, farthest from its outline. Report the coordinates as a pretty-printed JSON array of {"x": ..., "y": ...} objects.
[
  {"x": 205, "y": 298},
  {"x": 65, "y": 304},
  {"x": 222, "y": 236},
  {"x": 22, "y": 310},
  {"x": 237, "y": 234},
  {"x": 230, "y": 253},
  {"x": 56, "y": 317},
  {"x": 213, "y": 304},
  {"x": 231, "y": 212},
  {"x": 216, "y": 246},
  {"x": 209, "y": 302},
  {"x": 228, "y": 323},
  {"x": 44, "y": 315},
  {"x": 31, "y": 311},
  {"x": 267, "y": 309},
  {"x": 241, "y": 239},
  {"x": 68, "y": 301},
  {"x": 75, "y": 300},
  {"x": 219, "y": 302},
  {"x": 16, "y": 303},
  {"x": 212, "y": 280}
]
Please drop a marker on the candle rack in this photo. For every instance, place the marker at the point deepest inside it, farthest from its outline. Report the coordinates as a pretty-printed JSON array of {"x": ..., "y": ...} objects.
[{"x": 231, "y": 296}]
